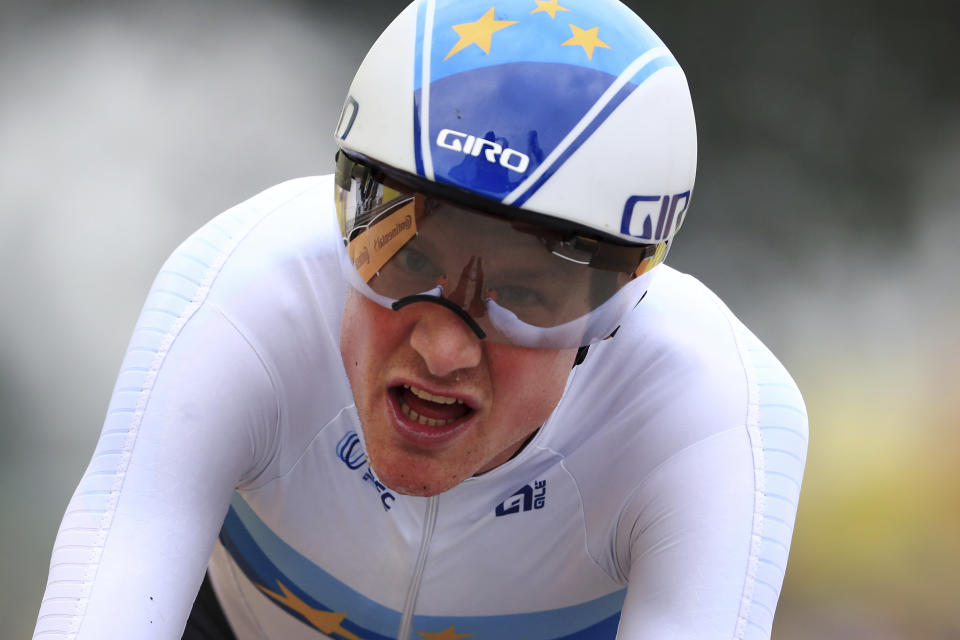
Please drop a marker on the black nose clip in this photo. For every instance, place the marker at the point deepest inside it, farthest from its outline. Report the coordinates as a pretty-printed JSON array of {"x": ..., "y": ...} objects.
[{"x": 443, "y": 302}]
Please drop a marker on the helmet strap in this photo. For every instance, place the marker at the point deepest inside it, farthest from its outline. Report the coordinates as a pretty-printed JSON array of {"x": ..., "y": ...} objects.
[{"x": 581, "y": 355}]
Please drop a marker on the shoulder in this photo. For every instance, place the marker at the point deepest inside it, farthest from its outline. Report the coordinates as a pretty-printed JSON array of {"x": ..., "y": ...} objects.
[
  {"x": 683, "y": 402},
  {"x": 676, "y": 353},
  {"x": 682, "y": 325},
  {"x": 691, "y": 341},
  {"x": 261, "y": 279},
  {"x": 276, "y": 249},
  {"x": 681, "y": 370},
  {"x": 288, "y": 219}
]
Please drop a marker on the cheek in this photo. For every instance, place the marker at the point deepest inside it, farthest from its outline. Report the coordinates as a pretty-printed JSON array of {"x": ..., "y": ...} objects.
[
  {"x": 530, "y": 382},
  {"x": 358, "y": 334},
  {"x": 349, "y": 341}
]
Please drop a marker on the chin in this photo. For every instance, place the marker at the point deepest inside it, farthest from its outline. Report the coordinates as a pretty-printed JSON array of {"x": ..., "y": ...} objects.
[{"x": 412, "y": 477}]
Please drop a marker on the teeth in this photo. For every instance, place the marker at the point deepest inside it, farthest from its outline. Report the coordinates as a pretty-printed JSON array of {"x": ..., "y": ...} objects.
[
  {"x": 413, "y": 415},
  {"x": 426, "y": 395}
]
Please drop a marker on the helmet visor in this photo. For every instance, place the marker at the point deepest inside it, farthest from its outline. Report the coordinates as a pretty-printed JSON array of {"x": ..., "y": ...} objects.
[{"x": 511, "y": 280}]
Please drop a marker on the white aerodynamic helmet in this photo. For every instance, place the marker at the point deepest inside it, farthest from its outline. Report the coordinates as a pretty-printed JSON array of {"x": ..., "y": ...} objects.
[{"x": 525, "y": 164}]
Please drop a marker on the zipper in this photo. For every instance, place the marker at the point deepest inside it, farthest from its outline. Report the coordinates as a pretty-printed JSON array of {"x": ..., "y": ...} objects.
[{"x": 429, "y": 523}]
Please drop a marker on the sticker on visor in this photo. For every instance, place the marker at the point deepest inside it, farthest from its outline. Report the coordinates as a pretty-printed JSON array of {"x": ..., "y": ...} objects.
[{"x": 373, "y": 247}]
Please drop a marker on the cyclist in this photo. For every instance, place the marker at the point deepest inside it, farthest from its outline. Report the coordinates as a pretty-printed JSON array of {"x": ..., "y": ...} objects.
[{"x": 451, "y": 391}]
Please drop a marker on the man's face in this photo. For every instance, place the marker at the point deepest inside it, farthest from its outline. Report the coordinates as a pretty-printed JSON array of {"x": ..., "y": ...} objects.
[{"x": 437, "y": 403}]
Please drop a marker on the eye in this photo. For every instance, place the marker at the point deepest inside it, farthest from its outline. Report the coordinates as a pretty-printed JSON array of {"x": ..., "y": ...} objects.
[
  {"x": 415, "y": 261},
  {"x": 514, "y": 296}
]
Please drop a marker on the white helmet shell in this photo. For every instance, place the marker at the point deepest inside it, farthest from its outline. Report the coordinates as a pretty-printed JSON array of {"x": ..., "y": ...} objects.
[{"x": 573, "y": 109}]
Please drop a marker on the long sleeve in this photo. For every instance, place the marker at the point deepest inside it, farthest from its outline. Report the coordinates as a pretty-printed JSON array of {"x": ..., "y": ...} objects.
[
  {"x": 708, "y": 532},
  {"x": 192, "y": 413}
]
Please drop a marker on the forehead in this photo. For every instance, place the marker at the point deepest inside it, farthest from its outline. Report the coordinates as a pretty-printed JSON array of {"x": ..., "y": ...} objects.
[
  {"x": 453, "y": 234},
  {"x": 441, "y": 219}
]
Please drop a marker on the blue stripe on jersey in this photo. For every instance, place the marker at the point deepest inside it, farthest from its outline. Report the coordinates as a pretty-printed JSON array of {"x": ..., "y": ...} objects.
[
  {"x": 273, "y": 566},
  {"x": 312, "y": 595},
  {"x": 536, "y": 626}
]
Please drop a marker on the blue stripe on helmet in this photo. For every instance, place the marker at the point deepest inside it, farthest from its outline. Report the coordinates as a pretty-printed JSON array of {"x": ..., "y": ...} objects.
[
  {"x": 489, "y": 64},
  {"x": 649, "y": 69},
  {"x": 508, "y": 117}
]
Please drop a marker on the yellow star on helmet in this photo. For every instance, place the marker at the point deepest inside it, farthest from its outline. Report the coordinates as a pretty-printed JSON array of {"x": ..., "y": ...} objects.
[
  {"x": 549, "y": 6},
  {"x": 446, "y": 634},
  {"x": 479, "y": 33},
  {"x": 586, "y": 38}
]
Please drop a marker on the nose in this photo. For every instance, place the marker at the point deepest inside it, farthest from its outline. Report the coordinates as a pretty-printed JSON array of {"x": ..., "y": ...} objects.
[
  {"x": 467, "y": 294},
  {"x": 444, "y": 341}
]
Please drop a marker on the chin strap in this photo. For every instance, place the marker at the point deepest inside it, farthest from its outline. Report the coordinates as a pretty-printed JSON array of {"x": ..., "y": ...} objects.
[
  {"x": 582, "y": 351},
  {"x": 581, "y": 355}
]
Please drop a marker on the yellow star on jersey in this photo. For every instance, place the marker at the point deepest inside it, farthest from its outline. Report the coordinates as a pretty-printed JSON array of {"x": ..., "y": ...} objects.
[
  {"x": 586, "y": 38},
  {"x": 549, "y": 6},
  {"x": 326, "y": 621},
  {"x": 446, "y": 634},
  {"x": 479, "y": 33}
]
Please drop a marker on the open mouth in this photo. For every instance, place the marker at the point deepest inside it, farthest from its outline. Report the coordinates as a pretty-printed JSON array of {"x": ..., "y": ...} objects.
[{"x": 429, "y": 409}]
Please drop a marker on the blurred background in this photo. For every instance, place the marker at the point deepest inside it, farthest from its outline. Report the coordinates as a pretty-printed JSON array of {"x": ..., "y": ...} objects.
[{"x": 826, "y": 215}]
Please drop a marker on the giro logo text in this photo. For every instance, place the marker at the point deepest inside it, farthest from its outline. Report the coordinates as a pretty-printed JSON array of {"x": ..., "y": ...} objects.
[
  {"x": 351, "y": 452},
  {"x": 526, "y": 498},
  {"x": 493, "y": 152},
  {"x": 654, "y": 217}
]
